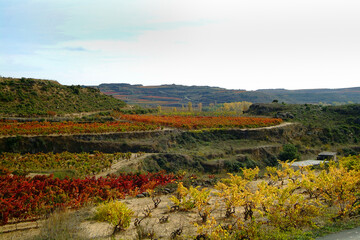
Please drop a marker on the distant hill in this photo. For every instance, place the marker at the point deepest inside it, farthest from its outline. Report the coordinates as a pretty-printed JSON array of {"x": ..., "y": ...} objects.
[
  {"x": 330, "y": 96},
  {"x": 32, "y": 97},
  {"x": 176, "y": 95}
]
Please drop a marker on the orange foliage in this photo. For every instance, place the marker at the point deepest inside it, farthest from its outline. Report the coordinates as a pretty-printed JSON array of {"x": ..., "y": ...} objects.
[
  {"x": 45, "y": 128},
  {"x": 200, "y": 122}
]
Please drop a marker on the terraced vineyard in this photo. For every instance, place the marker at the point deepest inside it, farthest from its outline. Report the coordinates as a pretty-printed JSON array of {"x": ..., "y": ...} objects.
[
  {"x": 46, "y": 128},
  {"x": 82, "y": 164},
  {"x": 193, "y": 122},
  {"x": 133, "y": 123}
]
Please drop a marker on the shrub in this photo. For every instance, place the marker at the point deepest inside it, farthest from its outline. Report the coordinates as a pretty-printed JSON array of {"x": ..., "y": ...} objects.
[
  {"x": 289, "y": 152},
  {"x": 51, "y": 113},
  {"x": 60, "y": 226},
  {"x": 183, "y": 199},
  {"x": 351, "y": 162},
  {"x": 116, "y": 213},
  {"x": 340, "y": 187}
]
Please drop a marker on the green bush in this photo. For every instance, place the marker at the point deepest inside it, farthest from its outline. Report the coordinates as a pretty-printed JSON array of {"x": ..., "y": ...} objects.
[
  {"x": 116, "y": 213},
  {"x": 232, "y": 166},
  {"x": 289, "y": 152}
]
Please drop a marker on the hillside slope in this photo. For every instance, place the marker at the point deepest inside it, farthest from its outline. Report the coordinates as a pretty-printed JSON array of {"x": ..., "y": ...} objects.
[
  {"x": 330, "y": 96},
  {"x": 177, "y": 95},
  {"x": 31, "y": 97}
]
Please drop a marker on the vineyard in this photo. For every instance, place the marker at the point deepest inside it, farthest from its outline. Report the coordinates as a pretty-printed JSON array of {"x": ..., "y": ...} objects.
[
  {"x": 83, "y": 164},
  {"x": 46, "y": 128},
  {"x": 24, "y": 198},
  {"x": 199, "y": 122},
  {"x": 133, "y": 123},
  {"x": 275, "y": 202},
  {"x": 279, "y": 205}
]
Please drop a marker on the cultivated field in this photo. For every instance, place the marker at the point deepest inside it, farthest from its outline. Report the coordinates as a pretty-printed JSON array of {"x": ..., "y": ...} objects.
[{"x": 82, "y": 195}]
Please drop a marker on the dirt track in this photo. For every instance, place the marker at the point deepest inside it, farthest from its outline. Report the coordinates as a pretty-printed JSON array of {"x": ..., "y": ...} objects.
[
  {"x": 133, "y": 161},
  {"x": 351, "y": 234}
]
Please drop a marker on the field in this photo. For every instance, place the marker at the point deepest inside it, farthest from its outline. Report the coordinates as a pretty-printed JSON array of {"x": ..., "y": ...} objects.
[
  {"x": 260, "y": 199},
  {"x": 132, "y": 122},
  {"x": 280, "y": 203},
  {"x": 46, "y": 128},
  {"x": 81, "y": 164},
  {"x": 193, "y": 122},
  {"x": 24, "y": 197}
]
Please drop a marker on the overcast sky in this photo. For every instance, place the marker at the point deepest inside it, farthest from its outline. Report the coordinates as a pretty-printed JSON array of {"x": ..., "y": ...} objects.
[{"x": 236, "y": 44}]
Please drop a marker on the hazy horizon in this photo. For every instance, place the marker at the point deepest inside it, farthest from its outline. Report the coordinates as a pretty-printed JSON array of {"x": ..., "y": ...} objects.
[{"x": 149, "y": 85}]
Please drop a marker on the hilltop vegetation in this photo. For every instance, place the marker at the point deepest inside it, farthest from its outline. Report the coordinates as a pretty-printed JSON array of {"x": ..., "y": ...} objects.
[
  {"x": 33, "y": 97},
  {"x": 178, "y": 95}
]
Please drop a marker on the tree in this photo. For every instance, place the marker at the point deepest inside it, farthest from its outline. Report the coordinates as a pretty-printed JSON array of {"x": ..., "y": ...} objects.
[
  {"x": 238, "y": 107},
  {"x": 190, "y": 107},
  {"x": 289, "y": 152}
]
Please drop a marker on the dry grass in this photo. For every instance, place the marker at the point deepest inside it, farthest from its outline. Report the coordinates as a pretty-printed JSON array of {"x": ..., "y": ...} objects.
[{"x": 60, "y": 226}]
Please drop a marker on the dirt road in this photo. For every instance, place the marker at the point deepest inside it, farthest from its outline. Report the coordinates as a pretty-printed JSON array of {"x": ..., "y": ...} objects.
[
  {"x": 122, "y": 163},
  {"x": 351, "y": 234}
]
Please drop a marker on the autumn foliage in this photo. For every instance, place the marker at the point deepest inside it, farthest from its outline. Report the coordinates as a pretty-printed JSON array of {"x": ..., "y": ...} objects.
[
  {"x": 133, "y": 123},
  {"x": 82, "y": 164},
  {"x": 284, "y": 201},
  {"x": 46, "y": 128},
  {"x": 202, "y": 122},
  {"x": 24, "y": 198}
]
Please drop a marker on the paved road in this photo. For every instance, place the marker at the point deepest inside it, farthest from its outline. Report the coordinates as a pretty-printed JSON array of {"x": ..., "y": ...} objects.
[{"x": 352, "y": 234}]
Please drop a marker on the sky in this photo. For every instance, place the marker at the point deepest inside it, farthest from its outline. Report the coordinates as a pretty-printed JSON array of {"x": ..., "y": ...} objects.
[{"x": 235, "y": 44}]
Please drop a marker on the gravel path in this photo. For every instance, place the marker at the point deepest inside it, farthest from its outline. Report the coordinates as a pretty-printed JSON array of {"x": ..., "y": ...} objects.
[{"x": 351, "y": 234}]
